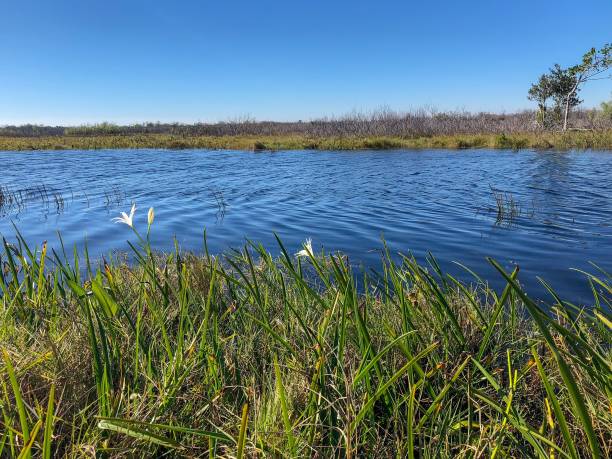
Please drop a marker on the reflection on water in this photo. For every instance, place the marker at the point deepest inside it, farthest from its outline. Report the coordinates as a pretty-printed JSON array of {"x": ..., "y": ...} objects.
[{"x": 547, "y": 211}]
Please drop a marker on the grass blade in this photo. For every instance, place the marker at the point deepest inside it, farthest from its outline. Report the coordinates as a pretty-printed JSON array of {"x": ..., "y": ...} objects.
[
  {"x": 243, "y": 431},
  {"x": 137, "y": 433}
]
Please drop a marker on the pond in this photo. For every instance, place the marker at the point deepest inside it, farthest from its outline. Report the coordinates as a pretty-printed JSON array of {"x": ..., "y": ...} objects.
[{"x": 545, "y": 211}]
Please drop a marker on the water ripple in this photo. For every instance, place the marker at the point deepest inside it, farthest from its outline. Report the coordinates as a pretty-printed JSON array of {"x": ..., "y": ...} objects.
[{"x": 438, "y": 201}]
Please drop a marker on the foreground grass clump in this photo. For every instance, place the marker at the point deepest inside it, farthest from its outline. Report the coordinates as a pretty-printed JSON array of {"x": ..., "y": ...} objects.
[
  {"x": 601, "y": 139},
  {"x": 247, "y": 355}
]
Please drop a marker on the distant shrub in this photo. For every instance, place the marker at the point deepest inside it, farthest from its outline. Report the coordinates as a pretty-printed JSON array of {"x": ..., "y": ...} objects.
[
  {"x": 514, "y": 143},
  {"x": 311, "y": 146},
  {"x": 95, "y": 129},
  {"x": 178, "y": 145},
  {"x": 606, "y": 110},
  {"x": 543, "y": 144},
  {"x": 502, "y": 141},
  {"x": 375, "y": 124},
  {"x": 520, "y": 143},
  {"x": 382, "y": 144}
]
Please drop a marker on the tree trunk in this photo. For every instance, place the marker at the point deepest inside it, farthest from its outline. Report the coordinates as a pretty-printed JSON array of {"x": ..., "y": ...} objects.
[{"x": 567, "y": 102}]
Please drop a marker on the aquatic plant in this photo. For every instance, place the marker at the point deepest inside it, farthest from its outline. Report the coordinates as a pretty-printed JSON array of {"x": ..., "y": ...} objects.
[
  {"x": 219, "y": 198},
  {"x": 507, "y": 207},
  {"x": 245, "y": 355},
  {"x": 16, "y": 200}
]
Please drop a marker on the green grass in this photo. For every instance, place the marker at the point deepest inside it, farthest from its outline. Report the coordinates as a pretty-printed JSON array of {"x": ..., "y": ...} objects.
[
  {"x": 542, "y": 140},
  {"x": 248, "y": 355}
]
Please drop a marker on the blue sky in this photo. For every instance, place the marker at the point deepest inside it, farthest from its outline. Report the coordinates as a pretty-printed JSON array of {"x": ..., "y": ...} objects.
[{"x": 85, "y": 61}]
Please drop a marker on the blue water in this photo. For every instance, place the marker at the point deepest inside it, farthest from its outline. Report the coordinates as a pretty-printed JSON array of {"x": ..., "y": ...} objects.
[{"x": 439, "y": 201}]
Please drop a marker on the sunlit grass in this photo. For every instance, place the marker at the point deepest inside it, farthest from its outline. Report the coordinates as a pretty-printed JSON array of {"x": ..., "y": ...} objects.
[
  {"x": 538, "y": 140},
  {"x": 247, "y": 354}
]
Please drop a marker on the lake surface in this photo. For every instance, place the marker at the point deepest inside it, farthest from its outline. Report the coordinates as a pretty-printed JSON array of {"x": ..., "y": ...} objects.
[{"x": 557, "y": 205}]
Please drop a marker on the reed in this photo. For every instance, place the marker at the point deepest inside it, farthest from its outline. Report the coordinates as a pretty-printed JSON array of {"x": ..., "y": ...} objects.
[
  {"x": 507, "y": 208},
  {"x": 245, "y": 354}
]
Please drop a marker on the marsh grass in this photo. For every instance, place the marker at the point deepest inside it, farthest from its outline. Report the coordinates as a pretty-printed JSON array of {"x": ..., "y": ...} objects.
[
  {"x": 16, "y": 200},
  {"x": 508, "y": 209},
  {"x": 249, "y": 355},
  {"x": 50, "y": 200},
  {"x": 600, "y": 139}
]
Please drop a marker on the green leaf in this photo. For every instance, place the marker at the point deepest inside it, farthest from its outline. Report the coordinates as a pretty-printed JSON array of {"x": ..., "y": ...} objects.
[
  {"x": 571, "y": 384},
  {"x": 109, "y": 305},
  {"x": 23, "y": 418},
  {"x": 125, "y": 428},
  {"x": 383, "y": 389},
  {"x": 186, "y": 430},
  {"x": 243, "y": 429},
  {"x": 556, "y": 406},
  {"x": 48, "y": 436},
  {"x": 284, "y": 409}
]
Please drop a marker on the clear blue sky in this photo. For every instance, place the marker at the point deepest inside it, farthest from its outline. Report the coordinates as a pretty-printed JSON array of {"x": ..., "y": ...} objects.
[{"x": 84, "y": 61}]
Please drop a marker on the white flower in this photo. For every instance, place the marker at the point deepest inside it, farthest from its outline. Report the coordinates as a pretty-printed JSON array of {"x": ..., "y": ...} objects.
[
  {"x": 125, "y": 218},
  {"x": 307, "y": 250},
  {"x": 151, "y": 216}
]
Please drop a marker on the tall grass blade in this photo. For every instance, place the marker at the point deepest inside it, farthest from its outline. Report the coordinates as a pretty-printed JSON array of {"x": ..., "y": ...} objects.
[
  {"x": 23, "y": 417},
  {"x": 49, "y": 423},
  {"x": 243, "y": 431},
  {"x": 556, "y": 406},
  {"x": 284, "y": 408},
  {"x": 571, "y": 384},
  {"x": 137, "y": 433}
]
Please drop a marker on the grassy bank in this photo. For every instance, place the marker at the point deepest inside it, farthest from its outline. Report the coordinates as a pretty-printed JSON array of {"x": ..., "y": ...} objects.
[
  {"x": 246, "y": 355},
  {"x": 539, "y": 140}
]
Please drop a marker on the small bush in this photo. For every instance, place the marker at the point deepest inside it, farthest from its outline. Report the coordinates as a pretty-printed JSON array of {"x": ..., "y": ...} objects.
[
  {"x": 606, "y": 110},
  {"x": 382, "y": 144}
]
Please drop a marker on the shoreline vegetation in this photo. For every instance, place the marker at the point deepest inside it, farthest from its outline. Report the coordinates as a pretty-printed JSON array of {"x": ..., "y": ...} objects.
[
  {"x": 382, "y": 129},
  {"x": 245, "y": 355},
  {"x": 581, "y": 140}
]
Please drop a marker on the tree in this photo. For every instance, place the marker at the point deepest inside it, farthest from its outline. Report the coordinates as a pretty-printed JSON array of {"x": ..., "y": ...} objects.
[
  {"x": 594, "y": 64},
  {"x": 555, "y": 85},
  {"x": 564, "y": 84},
  {"x": 540, "y": 92},
  {"x": 565, "y": 89},
  {"x": 606, "y": 110}
]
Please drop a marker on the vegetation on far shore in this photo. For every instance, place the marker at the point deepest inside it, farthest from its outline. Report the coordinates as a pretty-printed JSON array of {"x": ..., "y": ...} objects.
[
  {"x": 535, "y": 140},
  {"x": 246, "y": 355},
  {"x": 562, "y": 125},
  {"x": 563, "y": 86},
  {"x": 382, "y": 129}
]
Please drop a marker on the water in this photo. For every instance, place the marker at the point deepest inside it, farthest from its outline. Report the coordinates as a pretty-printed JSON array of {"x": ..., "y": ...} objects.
[{"x": 439, "y": 201}]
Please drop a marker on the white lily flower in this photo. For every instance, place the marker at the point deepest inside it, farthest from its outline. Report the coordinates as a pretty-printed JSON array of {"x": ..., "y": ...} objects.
[
  {"x": 307, "y": 250},
  {"x": 151, "y": 216},
  {"x": 125, "y": 218}
]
